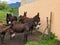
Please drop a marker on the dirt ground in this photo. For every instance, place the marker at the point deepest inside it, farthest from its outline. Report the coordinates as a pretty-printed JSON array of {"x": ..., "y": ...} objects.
[{"x": 18, "y": 40}]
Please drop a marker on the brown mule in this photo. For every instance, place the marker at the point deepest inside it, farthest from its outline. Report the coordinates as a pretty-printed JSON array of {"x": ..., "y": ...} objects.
[
  {"x": 35, "y": 20},
  {"x": 20, "y": 28}
]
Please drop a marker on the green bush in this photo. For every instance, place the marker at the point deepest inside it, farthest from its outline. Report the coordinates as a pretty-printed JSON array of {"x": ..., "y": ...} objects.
[
  {"x": 32, "y": 43},
  {"x": 52, "y": 36},
  {"x": 3, "y": 5},
  {"x": 3, "y": 16}
]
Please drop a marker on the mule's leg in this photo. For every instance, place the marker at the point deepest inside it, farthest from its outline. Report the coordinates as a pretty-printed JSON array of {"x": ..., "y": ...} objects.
[
  {"x": 30, "y": 31},
  {"x": 1, "y": 43},
  {"x": 26, "y": 36},
  {"x": 11, "y": 33},
  {"x": 2, "y": 36},
  {"x": 1, "y": 39},
  {"x": 26, "y": 32}
]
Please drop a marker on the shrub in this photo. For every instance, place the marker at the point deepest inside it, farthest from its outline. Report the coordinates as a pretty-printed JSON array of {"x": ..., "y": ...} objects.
[
  {"x": 3, "y": 5},
  {"x": 52, "y": 36}
]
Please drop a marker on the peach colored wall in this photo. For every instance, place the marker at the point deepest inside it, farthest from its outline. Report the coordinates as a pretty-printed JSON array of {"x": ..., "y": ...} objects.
[{"x": 44, "y": 7}]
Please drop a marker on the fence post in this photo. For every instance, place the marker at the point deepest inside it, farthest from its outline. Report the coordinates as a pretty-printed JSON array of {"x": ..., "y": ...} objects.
[
  {"x": 50, "y": 20},
  {"x": 50, "y": 24},
  {"x": 48, "y": 27}
]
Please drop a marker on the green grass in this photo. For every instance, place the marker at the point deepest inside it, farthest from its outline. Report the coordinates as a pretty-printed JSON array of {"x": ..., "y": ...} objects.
[{"x": 43, "y": 42}]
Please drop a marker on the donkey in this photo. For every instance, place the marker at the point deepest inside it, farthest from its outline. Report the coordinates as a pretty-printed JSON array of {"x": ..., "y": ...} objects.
[
  {"x": 19, "y": 28},
  {"x": 25, "y": 19}
]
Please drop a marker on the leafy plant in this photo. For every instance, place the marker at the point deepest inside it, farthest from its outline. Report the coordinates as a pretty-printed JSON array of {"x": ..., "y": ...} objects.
[
  {"x": 3, "y": 5},
  {"x": 52, "y": 36}
]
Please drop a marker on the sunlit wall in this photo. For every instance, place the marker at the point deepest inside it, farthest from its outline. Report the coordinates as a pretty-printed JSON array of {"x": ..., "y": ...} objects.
[{"x": 44, "y": 7}]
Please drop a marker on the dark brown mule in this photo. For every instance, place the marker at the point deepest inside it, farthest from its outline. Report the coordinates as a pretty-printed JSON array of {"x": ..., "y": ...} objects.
[
  {"x": 20, "y": 28},
  {"x": 7, "y": 18},
  {"x": 25, "y": 19},
  {"x": 10, "y": 18},
  {"x": 35, "y": 20}
]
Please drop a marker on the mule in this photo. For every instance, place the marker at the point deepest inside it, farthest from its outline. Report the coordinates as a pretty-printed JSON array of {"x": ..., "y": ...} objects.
[
  {"x": 25, "y": 19},
  {"x": 19, "y": 28}
]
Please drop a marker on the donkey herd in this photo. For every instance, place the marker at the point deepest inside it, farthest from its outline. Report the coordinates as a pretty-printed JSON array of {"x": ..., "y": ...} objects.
[{"x": 21, "y": 24}]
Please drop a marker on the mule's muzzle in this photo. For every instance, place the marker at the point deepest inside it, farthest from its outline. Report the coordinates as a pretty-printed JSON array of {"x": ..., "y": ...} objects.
[
  {"x": 9, "y": 22},
  {"x": 38, "y": 26}
]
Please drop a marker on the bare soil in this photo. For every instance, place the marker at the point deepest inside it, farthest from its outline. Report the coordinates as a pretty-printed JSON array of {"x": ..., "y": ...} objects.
[{"x": 18, "y": 40}]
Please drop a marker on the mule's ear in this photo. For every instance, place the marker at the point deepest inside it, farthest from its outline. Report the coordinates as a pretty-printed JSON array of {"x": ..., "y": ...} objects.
[
  {"x": 25, "y": 14},
  {"x": 38, "y": 14},
  {"x": 7, "y": 13}
]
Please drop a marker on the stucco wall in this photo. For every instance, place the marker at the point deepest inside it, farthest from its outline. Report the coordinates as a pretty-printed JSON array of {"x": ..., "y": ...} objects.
[{"x": 44, "y": 7}]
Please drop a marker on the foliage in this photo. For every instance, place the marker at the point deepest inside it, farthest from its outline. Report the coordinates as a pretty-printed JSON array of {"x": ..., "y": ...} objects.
[
  {"x": 4, "y": 12},
  {"x": 13, "y": 10},
  {"x": 52, "y": 36},
  {"x": 3, "y": 5},
  {"x": 10, "y": 9}
]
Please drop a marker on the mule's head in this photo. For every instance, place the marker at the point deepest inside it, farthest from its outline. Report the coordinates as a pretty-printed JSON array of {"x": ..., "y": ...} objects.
[
  {"x": 10, "y": 18},
  {"x": 36, "y": 20}
]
